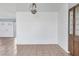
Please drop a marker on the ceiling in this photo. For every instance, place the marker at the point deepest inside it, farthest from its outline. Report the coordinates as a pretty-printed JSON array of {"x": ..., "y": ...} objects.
[
  {"x": 41, "y": 7},
  {"x": 22, "y": 7},
  {"x": 25, "y": 7}
]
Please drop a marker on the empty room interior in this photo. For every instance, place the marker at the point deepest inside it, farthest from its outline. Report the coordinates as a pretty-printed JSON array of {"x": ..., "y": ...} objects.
[{"x": 39, "y": 29}]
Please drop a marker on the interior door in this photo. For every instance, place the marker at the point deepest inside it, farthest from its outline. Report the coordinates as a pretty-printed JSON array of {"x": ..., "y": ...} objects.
[
  {"x": 76, "y": 40},
  {"x": 74, "y": 30}
]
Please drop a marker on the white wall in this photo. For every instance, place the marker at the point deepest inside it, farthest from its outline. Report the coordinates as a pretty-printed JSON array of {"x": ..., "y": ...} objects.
[
  {"x": 63, "y": 27},
  {"x": 40, "y": 28},
  {"x": 5, "y": 14},
  {"x": 7, "y": 10}
]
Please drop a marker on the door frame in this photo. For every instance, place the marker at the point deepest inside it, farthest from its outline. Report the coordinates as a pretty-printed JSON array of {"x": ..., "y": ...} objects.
[{"x": 73, "y": 8}]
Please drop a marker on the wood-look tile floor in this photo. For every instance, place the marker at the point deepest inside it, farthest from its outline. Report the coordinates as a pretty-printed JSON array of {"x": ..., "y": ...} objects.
[
  {"x": 40, "y": 50},
  {"x": 7, "y": 46}
]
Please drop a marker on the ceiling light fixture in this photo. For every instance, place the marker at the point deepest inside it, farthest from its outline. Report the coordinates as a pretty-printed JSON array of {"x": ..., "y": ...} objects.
[{"x": 34, "y": 10}]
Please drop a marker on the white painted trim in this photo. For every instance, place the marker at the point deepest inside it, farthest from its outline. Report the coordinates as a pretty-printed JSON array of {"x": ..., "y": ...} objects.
[
  {"x": 34, "y": 43},
  {"x": 68, "y": 52}
]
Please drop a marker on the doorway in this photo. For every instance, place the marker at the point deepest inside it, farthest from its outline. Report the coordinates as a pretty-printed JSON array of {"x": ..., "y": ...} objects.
[{"x": 74, "y": 30}]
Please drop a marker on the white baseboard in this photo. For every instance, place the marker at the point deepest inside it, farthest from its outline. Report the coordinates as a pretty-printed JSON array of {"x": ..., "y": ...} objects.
[
  {"x": 64, "y": 49},
  {"x": 68, "y": 52},
  {"x": 36, "y": 44}
]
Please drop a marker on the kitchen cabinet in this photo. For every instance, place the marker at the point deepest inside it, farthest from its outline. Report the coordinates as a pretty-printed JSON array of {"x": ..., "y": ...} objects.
[{"x": 7, "y": 28}]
